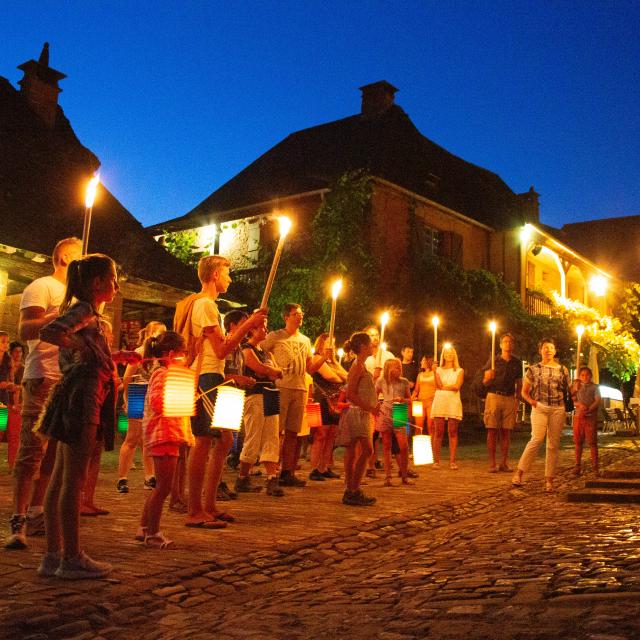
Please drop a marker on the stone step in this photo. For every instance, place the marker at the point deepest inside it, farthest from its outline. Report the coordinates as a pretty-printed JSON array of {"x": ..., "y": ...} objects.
[
  {"x": 620, "y": 473},
  {"x": 622, "y": 496},
  {"x": 613, "y": 483}
]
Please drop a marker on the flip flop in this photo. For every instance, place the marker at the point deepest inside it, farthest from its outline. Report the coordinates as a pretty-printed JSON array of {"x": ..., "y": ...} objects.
[
  {"x": 91, "y": 513},
  {"x": 224, "y": 516},
  {"x": 206, "y": 524}
]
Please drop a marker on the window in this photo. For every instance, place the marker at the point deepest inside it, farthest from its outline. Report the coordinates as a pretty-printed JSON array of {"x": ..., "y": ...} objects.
[{"x": 430, "y": 239}]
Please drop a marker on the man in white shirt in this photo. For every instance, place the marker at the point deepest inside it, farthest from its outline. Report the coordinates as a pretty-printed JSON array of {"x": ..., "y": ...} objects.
[
  {"x": 375, "y": 363},
  {"x": 292, "y": 353},
  {"x": 38, "y": 306},
  {"x": 206, "y": 324}
]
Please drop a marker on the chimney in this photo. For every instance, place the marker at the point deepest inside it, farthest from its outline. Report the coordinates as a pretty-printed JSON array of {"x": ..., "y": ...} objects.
[
  {"x": 39, "y": 86},
  {"x": 376, "y": 99},
  {"x": 529, "y": 205}
]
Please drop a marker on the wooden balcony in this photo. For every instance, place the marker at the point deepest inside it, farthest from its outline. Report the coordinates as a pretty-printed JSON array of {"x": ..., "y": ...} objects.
[{"x": 537, "y": 304}]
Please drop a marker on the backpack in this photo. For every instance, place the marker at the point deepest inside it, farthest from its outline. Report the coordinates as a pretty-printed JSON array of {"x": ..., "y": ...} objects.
[
  {"x": 182, "y": 325},
  {"x": 480, "y": 389}
]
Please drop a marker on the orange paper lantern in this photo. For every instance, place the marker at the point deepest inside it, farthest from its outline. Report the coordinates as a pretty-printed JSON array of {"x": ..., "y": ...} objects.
[
  {"x": 314, "y": 415},
  {"x": 416, "y": 409},
  {"x": 228, "y": 410},
  {"x": 179, "y": 397}
]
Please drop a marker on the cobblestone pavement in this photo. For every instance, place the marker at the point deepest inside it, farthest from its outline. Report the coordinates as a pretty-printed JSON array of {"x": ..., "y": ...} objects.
[{"x": 457, "y": 555}]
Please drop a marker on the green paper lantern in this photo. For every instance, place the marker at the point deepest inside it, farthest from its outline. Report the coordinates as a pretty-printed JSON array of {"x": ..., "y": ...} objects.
[
  {"x": 400, "y": 415},
  {"x": 123, "y": 422},
  {"x": 4, "y": 418}
]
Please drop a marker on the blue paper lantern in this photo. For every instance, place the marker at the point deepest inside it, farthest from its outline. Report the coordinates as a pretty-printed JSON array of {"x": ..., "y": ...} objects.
[
  {"x": 400, "y": 415},
  {"x": 4, "y": 418},
  {"x": 271, "y": 402},
  {"x": 135, "y": 400}
]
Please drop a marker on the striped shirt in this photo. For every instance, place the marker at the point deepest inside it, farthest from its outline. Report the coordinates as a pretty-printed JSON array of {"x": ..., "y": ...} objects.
[{"x": 548, "y": 383}]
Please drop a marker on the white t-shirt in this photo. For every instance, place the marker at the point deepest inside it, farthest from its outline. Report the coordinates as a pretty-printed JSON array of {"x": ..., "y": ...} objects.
[
  {"x": 372, "y": 363},
  {"x": 42, "y": 359},
  {"x": 291, "y": 353},
  {"x": 205, "y": 314}
]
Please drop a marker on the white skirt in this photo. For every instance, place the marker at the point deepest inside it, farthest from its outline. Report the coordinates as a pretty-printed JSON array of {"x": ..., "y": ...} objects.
[{"x": 446, "y": 404}]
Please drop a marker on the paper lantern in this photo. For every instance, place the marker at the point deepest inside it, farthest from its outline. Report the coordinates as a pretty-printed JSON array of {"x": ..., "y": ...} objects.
[
  {"x": 416, "y": 409},
  {"x": 4, "y": 417},
  {"x": 271, "y": 402},
  {"x": 400, "y": 415},
  {"x": 123, "y": 422},
  {"x": 228, "y": 410},
  {"x": 314, "y": 415},
  {"x": 422, "y": 453},
  {"x": 179, "y": 395},
  {"x": 136, "y": 393}
]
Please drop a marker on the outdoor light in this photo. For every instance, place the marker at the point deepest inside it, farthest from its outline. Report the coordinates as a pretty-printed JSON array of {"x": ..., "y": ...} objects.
[
  {"x": 136, "y": 393},
  {"x": 417, "y": 409},
  {"x": 598, "y": 285},
  {"x": 422, "y": 453},
  {"x": 179, "y": 394},
  {"x": 207, "y": 238},
  {"x": 228, "y": 410},
  {"x": 525, "y": 234},
  {"x": 314, "y": 415}
]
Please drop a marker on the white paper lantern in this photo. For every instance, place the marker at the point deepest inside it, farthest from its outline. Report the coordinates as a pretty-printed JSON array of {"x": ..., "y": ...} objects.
[
  {"x": 228, "y": 410},
  {"x": 422, "y": 453},
  {"x": 416, "y": 409}
]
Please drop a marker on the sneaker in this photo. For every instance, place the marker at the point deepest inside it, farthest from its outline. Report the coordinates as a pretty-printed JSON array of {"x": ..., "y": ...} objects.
[
  {"x": 158, "y": 541},
  {"x": 224, "y": 493},
  {"x": 273, "y": 488},
  {"x": 17, "y": 539},
  {"x": 331, "y": 475},
  {"x": 410, "y": 474},
  {"x": 363, "y": 501},
  {"x": 82, "y": 567},
  {"x": 150, "y": 483},
  {"x": 316, "y": 475},
  {"x": 49, "y": 564},
  {"x": 243, "y": 485},
  {"x": 291, "y": 481},
  {"x": 122, "y": 486},
  {"x": 347, "y": 497},
  {"x": 35, "y": 524}
]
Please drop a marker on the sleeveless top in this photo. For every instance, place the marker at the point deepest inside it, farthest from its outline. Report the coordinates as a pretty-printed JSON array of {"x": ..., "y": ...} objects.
[
  {"x": 261, "y": 380},
  {"x": 366, "y": 389}
]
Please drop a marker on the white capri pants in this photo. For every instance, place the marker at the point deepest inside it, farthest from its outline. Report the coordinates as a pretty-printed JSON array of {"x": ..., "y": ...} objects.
[
  {"x": 546, "y": 421},
  {"x": 261, "y": 436}
]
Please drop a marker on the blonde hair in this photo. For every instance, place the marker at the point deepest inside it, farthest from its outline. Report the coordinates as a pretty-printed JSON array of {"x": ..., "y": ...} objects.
[
  {"x": 149, "y": 329},
  {"x": 456, "y": 362},
  {"x": 209, "y": 265},
  {"x": 60, "y": 247},
  {"x": 386, "y": 370}
]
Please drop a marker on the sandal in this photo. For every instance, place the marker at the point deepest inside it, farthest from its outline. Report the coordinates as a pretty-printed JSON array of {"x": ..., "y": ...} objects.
[
  {"x": 206, "y": 524},
  {"x": 493, "y": 469},
  {"x": 406, "y": 481},
  {"x": 387, "y": 482},
  {"x": 141, "y": 534},
  {"x": 453, "y": 466},
  {"x": 158, "y": 541},
  {"x": 548, "y": 486},
  {"x": 516, "y": 481},
  {"x": 505, "y": 467},
  {"x": 224, "y": 516}
]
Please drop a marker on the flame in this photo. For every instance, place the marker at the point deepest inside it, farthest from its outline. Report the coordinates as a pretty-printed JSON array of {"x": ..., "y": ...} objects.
[
  {"x": 384, "y": 318},
  {"x": 335, "y": 290},
  {"x": 435, "y": 321},
  {"x": 493, "y": 326},
  {"x": 580, "y": 330},
  {"x": 90, "y": 195},
  {"x": 285, "y": 225}
]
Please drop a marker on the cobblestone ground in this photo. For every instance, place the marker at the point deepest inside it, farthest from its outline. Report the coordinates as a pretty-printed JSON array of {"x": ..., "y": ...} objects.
[{"x": 485, "y": 562}]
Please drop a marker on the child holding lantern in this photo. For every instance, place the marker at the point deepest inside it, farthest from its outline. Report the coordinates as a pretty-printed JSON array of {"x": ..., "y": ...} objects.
[
  {"x": 163, "y": 436},
  {"x": 394, "y": 389}
]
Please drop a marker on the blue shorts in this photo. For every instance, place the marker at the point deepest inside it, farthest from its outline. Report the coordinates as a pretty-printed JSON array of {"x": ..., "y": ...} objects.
[{"x": 201, "y": 422}]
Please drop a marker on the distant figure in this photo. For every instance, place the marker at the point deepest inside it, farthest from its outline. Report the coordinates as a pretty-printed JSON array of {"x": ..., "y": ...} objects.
[{"x": 586, "y": 398}]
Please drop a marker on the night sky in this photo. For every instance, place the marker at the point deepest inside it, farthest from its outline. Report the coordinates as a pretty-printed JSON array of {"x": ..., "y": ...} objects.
[{"x": 177, "y": 97}]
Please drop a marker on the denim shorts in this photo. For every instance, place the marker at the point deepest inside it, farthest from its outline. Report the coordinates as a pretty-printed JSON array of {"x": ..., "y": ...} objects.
[{"x": 201, "y": 422}]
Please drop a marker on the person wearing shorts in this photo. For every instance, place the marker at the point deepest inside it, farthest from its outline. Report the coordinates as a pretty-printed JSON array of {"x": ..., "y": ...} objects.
[
  {"x": 34, "y": 462},
  {"x": 504, "y": 384}
]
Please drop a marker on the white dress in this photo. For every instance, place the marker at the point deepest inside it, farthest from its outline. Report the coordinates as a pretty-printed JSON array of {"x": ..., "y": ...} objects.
[{"x": 447, "y": 404}]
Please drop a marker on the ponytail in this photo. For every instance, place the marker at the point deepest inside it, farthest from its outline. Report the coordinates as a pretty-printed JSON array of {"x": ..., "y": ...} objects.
[
  {"x": 160, "y": 346},
  {"x": 80, "y": 276}
]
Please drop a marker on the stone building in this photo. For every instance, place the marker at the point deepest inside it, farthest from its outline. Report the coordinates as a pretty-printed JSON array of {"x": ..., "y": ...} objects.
[{"x": 44, "y": 170}]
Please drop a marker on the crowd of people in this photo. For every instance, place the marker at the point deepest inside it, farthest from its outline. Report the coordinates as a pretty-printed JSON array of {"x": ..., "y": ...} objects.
[{"x": 70, "y": 387}]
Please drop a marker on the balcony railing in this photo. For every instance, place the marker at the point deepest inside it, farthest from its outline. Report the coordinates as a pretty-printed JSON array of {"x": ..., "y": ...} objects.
[{"x": 537, "y": 304}]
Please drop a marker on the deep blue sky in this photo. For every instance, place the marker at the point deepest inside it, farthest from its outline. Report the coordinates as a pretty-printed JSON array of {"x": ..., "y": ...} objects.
[{"x": 176, "y": 97}]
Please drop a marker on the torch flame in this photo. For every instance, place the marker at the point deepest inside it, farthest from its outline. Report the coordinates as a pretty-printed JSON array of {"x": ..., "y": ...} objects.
[
  {"x": 285, "y": 225},
  {"x": 384, "y": 318},
  {"x": 435, "y": 321},
  {"x": 580, "y": 330},
  {"x": 335, "y": 290},
  {"x": 90, "y": 195},
  {"x": 493, "y": 326}
]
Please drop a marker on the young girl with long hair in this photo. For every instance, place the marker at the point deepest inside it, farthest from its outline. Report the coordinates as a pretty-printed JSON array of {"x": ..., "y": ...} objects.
[
  {"x": 133, "y": 439},
  {"x": 363, "y": 405},
  {"x": 80, "y": 410},
  {"x": 447, "y": 405},
  {"x": 163, "y": 437},
  {"x": 394, "y": 388}
]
